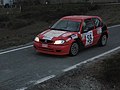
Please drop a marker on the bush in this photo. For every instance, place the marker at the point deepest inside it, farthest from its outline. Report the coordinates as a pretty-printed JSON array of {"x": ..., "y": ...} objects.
[
  {"x": 94, "y": 7},
  {"x": 15, "y": 24},
  {"x": 52, "y": 12},
  {"x": 4, "y": 18},
  {"x": 2, "y": 24}
]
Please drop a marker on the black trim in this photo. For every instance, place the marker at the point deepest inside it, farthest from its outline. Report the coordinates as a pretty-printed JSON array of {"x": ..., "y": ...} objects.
[
  {"x": 104, "y": 28},
  {"x": 81, "y": 45}
]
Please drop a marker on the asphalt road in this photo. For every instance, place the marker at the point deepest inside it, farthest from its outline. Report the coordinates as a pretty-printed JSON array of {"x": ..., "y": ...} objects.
[{"x": 21, "y": 68}]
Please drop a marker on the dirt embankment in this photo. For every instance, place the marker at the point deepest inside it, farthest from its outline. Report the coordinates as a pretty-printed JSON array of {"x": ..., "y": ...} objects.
[
  {"x": 102, "y": 74},
  {"x": 42, "y": 16}
]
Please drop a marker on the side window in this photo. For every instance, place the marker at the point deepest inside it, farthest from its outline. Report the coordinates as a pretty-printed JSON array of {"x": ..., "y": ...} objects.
[
  {"x": 97, "y": 22},
  {"x": 87, "y": 25}
]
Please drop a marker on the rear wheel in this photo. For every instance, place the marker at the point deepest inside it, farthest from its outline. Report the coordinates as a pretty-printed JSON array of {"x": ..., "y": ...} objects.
[
  {"x": 103, "y": 40},
  {"x": 74, "y": 49}
]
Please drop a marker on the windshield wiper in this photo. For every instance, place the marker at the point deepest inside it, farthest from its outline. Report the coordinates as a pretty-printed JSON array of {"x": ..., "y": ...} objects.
[
  {"x": 64, "y": 30},
  {"x": 58, "y": 29}
]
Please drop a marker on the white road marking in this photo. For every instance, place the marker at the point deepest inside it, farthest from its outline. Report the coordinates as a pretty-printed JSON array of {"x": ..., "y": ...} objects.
[
  {"x": 91, "y": 59},
  {"x": 25, "y": 47},
  {"x": 44, "y": 79},
  {"x": 114, "y": 26},
  {"x": 38, "y": 81},
  {"x": 22, "y": 88},
  {"x": 15, "y": 49}
]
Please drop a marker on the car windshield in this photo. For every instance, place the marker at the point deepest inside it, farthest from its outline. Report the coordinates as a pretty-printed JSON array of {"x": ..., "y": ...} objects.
[{"x": 66, "y": 25}]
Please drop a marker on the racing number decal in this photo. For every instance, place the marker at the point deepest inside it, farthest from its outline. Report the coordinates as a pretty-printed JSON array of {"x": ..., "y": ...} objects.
[{"x": 89, "y": 38}]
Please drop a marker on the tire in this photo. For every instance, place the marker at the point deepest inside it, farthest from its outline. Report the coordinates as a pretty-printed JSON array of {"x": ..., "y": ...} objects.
[
  {"x": 74, "y": 49},
  {"x": 103, "y": 40}
]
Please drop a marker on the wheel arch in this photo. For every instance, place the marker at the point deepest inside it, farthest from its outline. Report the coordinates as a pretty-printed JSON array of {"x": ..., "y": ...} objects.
[
  {"x": 78, "y": 40},
  {"x": 104, "y": 30}
]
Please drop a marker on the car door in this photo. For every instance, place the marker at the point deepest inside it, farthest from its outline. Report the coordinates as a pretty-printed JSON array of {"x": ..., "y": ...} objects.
[
  {"x": 88, "y": 33},
  {"x": 98, "y": 29}
]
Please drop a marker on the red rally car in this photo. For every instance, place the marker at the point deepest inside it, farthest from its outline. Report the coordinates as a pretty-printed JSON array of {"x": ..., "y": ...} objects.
[{"x": 70, "y": 34}]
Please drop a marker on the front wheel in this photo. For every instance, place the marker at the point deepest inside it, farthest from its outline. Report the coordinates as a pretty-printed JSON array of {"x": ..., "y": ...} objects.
[
  {"x": 74, "y": 49},
  {"x": 103, "y": 40}
]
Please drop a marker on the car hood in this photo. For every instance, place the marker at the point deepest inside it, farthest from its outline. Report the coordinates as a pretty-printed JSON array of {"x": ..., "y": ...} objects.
[{"x": 55, "y": 34}]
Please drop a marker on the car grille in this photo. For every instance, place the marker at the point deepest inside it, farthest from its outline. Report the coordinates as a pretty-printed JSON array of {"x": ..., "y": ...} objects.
[
  {"x": 46, "y": 49},
  {"x": 46, "y": 41}
]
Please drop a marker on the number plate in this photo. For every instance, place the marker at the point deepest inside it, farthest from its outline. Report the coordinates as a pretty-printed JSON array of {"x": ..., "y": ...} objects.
[{"x": 45, "y": 45}]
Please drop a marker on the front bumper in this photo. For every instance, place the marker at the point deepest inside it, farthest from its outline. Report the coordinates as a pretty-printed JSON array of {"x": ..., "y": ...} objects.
[{"x": 52, "y": 49}]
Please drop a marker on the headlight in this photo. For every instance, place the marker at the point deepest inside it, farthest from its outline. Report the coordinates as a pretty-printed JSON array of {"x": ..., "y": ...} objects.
[
  {"x": 37, "y": 39},
  {"x": 59, "y": 42}
]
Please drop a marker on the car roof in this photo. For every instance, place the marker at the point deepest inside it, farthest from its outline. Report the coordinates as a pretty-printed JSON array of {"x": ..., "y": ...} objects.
[{"x": 79, "y": 17}]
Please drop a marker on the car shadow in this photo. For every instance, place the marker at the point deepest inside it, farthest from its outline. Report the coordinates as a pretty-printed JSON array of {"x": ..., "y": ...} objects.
[
  {"x": 66, "y": 56},
  {"x": 51, "y": 56}
]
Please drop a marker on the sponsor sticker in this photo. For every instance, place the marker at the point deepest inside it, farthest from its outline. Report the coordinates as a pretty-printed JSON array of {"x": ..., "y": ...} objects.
[
  {"x": 89, "y": 38},
  {"x": 99, "y": 30},
  {"x": 53, "y": 33},
  {"x": 68, "y": 39},
  {"x": 47, "y": 38},
  {"x": 74, "y": 36},
  {"x": 66, "y": 34}
]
